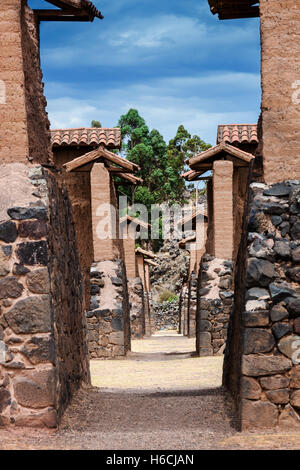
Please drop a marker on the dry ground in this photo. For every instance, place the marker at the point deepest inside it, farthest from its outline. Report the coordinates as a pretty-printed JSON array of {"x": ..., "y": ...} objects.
[{"x": 161, "y": 397}]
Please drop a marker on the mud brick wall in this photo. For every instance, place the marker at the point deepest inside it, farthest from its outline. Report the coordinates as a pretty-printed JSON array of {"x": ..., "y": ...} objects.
[
  {"x": 263, "y": 361},
  {"x": 137, "y": 307},
  {"x": 214, "y": 304},
  {"x": 41, "y": 307},
  {"x": 280, "y": 48},
  {"x": 108, "y": 320},
  {"x": 23, "y": 112}
]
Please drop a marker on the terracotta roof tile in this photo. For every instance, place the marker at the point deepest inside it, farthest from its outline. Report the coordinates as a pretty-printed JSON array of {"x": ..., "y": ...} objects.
[
  {"x": 237, "y": 134},
  {"x": 82, "y": 136}
]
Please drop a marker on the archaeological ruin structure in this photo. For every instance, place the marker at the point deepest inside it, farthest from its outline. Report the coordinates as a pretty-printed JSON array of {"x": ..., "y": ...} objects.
[{"x": 69, "y": 293}]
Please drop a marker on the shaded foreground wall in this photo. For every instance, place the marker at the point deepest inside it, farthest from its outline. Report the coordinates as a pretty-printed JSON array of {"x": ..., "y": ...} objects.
[
  {"x": 42, "y": 324},
  {"x": 262, "y": 361}
]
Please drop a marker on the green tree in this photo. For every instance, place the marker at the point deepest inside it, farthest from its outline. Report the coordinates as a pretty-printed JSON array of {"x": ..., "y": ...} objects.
[{"x": 96, "y": 124}]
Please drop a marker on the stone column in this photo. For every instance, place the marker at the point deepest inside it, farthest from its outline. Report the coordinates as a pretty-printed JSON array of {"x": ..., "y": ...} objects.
[
  {"x": 280, "y": 23},
  {"x": 104, "y": 215},
  {"x": 223, "y": 208}
]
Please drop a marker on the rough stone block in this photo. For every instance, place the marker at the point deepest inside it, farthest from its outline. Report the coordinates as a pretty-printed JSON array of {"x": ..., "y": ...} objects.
[
  {"x": 250, "y": 388},
  {"x": 35, "y": 389},
  {"x": 258, "y": 414},
  {"x": 258, "y": 340},
  {"x": 279, "y": 397},
  {"x": 31, "y": 253},
  {"x": 275, "y": 382},
  {"x": 10, "y": 288},
  {"x": 38, "y": 281},
  {"x": 254, "y": 365},
  {"x": 8, "y": 232},
  {"x": 30, "y": 315}
]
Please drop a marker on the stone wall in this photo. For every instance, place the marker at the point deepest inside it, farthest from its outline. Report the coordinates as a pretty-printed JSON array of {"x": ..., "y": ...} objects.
[
  {"x": 214, "y": 305},
  {"x": 67, "y": 295},
  {"x": 108, "y": 319},
  {"x": 183, "y": 309},
  {"x": 137, "y": 307},
  {"x": 42, "y": 334},
  {"x": 166, "y": 315},
  {"x": 263, "y": 357}
]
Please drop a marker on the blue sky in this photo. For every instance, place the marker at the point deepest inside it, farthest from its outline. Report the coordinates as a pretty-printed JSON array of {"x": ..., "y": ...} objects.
[{"x": 172, "y": 60}]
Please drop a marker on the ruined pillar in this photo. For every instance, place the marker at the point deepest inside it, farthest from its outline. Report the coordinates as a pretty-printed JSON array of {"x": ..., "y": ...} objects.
[
  {"x": 280, "y": 77},
  {"x": 223, "y": 208},
  {"x": 43, "y": 353},
  {"x": 107, "y": 245},
  {"x": 129, "y": 251}
]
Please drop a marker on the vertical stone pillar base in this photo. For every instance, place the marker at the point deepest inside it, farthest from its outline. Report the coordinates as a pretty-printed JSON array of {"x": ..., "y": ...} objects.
[{"x": 108, "y": 320}]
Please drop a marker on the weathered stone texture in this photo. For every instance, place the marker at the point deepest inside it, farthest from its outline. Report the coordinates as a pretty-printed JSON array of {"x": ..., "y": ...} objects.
[
  {"x": 214, "y": 305},
  {"x": 24, "y": 110},
  {"x": 108, "y": 319},
  {"x": 267, "y": 291},
  {"x": 137, "y": 307}
]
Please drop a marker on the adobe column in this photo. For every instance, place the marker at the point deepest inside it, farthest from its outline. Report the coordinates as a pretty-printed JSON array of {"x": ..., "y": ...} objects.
[
  {"x": 129, "y": 250},
  {"x": 22, "y": 103},
  {"x": 104, "y": 215},
  {"x": 147, "y": 277},
  {"x": 223, "y": 209},
  {"x": 280, "y": 23}
]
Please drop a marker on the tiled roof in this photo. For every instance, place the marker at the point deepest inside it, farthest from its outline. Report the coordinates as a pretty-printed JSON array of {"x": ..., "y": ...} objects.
[
  {"x": 237, "y": 134},
  {"x": 208, "y": 155},
  {"x": 83, "y": 136}
]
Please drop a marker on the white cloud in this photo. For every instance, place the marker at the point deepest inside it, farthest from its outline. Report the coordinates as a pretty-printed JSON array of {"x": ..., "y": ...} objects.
[
  {"x": 195, "y": 102},
  {"x": 143, "y": 40}
]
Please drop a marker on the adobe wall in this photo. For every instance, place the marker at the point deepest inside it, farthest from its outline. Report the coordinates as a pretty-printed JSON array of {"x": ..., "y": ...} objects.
[
  {"x": 262, "y": 361},
  {"x": 280, "y": 51},
  {"x": 24, "y": 123},
  {"x": 223, "y": 208},
  {"x": 103, "y": 192}
]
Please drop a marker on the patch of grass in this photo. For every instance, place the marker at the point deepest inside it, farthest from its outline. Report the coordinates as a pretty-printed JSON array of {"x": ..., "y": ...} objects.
[{"x": 167, "y": 296}]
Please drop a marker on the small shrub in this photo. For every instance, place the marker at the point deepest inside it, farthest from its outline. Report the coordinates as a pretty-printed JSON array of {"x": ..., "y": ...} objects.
[{"x": 167, "y": 296}]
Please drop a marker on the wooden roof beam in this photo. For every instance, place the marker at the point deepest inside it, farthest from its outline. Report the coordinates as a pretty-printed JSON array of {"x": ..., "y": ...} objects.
[{"x": 61, "y": 15}]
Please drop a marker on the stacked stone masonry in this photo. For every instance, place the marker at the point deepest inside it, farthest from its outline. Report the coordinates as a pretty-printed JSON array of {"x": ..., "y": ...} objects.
[
  {"x": 137, "y": 307},
  {"x": 42, "y": 327},
  {"x": 108, "y": 318},
  {"x": 215, "y": 299},
  {"x": 267, "y": 311}
]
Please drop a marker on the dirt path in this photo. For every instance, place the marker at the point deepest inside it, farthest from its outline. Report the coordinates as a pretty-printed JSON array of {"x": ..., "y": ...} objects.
[{"x": 154, "y": 400}]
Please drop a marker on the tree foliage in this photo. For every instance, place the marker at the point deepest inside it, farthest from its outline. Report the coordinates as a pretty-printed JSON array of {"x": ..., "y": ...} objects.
[{"x": 161, "y": 164}]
